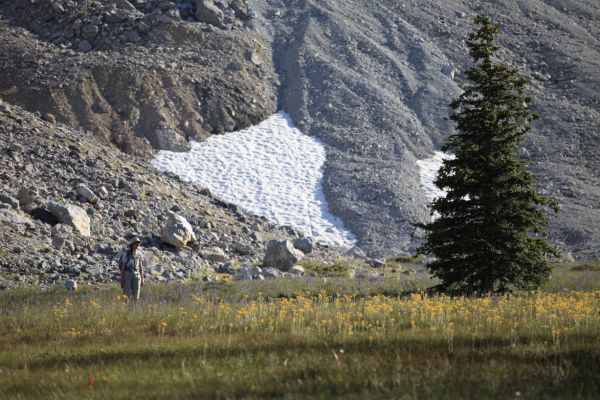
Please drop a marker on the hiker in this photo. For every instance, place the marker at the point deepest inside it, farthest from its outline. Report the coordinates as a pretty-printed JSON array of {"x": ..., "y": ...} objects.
[{"x": 132, "y": 270}]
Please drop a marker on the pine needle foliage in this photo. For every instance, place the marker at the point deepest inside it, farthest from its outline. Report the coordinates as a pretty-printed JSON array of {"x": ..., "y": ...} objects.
[{"x": 490, "y": 234}]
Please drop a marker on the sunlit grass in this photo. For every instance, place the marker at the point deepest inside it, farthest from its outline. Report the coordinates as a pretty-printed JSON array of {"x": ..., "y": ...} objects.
[{"x": 297, "y": 339}]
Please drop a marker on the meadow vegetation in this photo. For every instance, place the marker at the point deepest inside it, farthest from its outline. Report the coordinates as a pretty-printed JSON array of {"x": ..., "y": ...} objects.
[{"x": 302, "y": 338}]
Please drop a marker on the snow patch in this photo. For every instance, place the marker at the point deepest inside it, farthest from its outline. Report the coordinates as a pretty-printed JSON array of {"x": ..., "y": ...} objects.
[
  {"x": 271, "y": 169},
  {"x": 428, "y": 170}
]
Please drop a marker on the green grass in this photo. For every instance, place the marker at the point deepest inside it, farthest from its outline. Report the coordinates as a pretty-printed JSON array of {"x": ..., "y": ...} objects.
[
  {"x": 340, "y": 268},
  {"x": 321, "y": 337}
]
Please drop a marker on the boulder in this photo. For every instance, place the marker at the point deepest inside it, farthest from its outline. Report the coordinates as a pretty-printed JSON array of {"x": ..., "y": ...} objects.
[
  {"x": 282, "y": 255},
  {"x": 208, "y": 12},
  {"x": 248, "y": 272},
  {"x": 304, "y": 244},
  {"x": 71, "y": 215},
  {"x": 177, "y": 231},
  {"x": 87, "y": 194},
  {"x": 297, "y": 270},
  {"x": 215, "y": 254},
  {"x": 70, "y": 284}
]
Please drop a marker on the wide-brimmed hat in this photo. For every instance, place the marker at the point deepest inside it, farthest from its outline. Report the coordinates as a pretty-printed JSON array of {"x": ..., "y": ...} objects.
[{"x": 134, "y": 240}]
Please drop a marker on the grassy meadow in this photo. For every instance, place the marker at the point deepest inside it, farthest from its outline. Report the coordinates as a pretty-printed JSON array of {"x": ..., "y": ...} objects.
[{"x": 317, "y": 337}]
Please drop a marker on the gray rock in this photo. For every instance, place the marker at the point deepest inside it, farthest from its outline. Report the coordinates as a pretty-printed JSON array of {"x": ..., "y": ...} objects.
[
  {"x": 356, "y": 252},
  {"x": 281, "y": 254},
  {"x": 14, "y": 217},
  {"x": 251, "y": 273},
  {"x": 11, "y": 91},
  {"x": 16, "y": 148},
  {"x": 126, "y": 5},
  {"x": 61, "y": 230},
  {"x": 304, "y": 244},
  {"x": 59, "y": 243},
  {"x": 50, "y": 118},
  {"x": 132, "y": 37},
  {"x": 215, "y": 254},
  {"x": 208, "y": 12},
  {"x": 270, "y": 272},
  {"x": 70, "y": 284},
  {"x": 226, "y": 269},
  {"x": 143, "y": 27},
  {"x": 242, "y": 248},
  {"x": 240, "y": 8},
  {"x": 87, "y": 194},
  {"x": 376, "y": 263},
  {"x": 84, "y": 45},
  {"x": 177, "y": 231},
  {"x": 169, "y": 139},
  {"x": 90, "y": 31},
  {"x": 71, "y": 215},
  {"x": 102, "y": 192},
  {"x": 27, "y": 195},
  {"x": 8, "y": 199}
]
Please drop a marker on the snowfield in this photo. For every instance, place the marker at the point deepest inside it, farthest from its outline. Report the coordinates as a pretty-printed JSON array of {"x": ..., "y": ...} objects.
[
  {"x": 271, "y": 169},
  {"x": 428, "y": 169}
]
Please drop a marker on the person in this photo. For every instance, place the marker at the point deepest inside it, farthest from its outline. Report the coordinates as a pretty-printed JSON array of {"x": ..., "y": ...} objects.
[{"x": 131, "y": 264}]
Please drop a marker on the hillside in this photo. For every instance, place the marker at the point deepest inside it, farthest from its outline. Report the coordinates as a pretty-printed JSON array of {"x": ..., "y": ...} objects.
[{"x": 370, "y": 78}]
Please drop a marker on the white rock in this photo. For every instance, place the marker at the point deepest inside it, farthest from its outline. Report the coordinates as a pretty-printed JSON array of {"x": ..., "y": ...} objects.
[
  {"x": 87, "y": 194},
  {"x": 103, "y": 192},
  {"x": 177, "y": 231},
  {"x": 297, "y": 270},
  {"x": 71, "y": 215},
  {"x": 215, "y": 254}
]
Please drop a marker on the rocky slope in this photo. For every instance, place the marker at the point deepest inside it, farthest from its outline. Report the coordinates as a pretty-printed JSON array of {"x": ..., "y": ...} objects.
[
  {"x": 145, "y": 74},
  {"x": 69, "y": 201},
  {"x": 373, "y": 78}
]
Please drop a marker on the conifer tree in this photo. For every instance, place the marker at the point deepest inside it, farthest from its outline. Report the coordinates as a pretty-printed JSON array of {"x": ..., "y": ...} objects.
[{"x": 490, "y": 233}]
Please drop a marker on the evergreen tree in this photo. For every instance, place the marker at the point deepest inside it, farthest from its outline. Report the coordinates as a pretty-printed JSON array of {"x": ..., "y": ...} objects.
[{"x": 490, "y": 234}]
